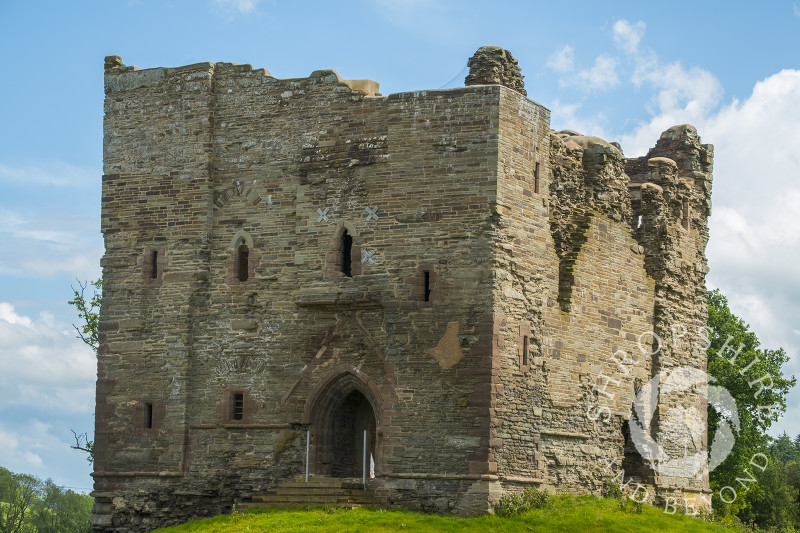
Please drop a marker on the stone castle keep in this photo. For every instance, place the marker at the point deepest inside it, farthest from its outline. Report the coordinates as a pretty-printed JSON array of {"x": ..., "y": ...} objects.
[{"x": 438, "y": 268}]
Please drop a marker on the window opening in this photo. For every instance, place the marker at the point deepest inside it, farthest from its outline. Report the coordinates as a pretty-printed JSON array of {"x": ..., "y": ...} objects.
[
  {"x": 154, "y": 264},
  {"x": 148, "y": 416},
  {"x": 638, "y": 221},
  {"x": 536, "y": 178},
  {"x": 237, "y": 402},
  {"x": 685, "y": 214},
  {"x": 347, "y": 252},
  {"x": 427, "y": 286},
  {"x": 243, "y": 262},
  {"x": 525, "y": 343}
]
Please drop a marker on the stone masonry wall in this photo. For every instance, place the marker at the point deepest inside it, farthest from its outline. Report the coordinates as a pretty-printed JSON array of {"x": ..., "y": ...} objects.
[{"x": 203, "y": 158}]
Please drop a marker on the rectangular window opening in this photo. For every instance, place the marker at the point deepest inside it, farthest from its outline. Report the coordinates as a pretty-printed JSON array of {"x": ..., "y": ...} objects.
[
  {"x": 243, "y": 263},
  {"x": 154, "y": 264},
  {"x": 347, "y": 254},
  {"x": 237, "y": 405},
  {"x": 685, "y": 214},
  {"x": 148, "y": 416},
  {"x": 427, "y": 294},
  {"x": 525, "y": 348},
  {"x": 536, "y": 178}
]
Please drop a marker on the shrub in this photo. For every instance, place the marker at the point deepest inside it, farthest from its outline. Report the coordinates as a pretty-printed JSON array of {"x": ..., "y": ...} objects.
[{"x": 531, "y": 498}]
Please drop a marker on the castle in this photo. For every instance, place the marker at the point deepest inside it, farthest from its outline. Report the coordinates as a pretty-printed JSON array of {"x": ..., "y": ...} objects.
[{"x": 295, "y": 268}]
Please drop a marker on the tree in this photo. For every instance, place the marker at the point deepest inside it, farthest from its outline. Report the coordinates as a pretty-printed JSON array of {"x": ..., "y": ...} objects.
[
  {"x": 17, "y": 494},
  {"x": 89, "y": 313},
  {"x": 754, "y": 378},
  {"x": 28, "y": 504}
]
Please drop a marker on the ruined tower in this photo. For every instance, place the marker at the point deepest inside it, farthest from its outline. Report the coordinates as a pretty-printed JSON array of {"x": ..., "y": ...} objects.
[{"x": 435, "y": 269}]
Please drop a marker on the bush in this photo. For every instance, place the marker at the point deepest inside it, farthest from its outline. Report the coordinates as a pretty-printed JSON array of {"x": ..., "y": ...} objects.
[{"x": 531, "y": 498}]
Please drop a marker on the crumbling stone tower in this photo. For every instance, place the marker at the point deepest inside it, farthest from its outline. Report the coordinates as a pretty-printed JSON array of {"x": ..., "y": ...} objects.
[{"x": 436, "y": 268}]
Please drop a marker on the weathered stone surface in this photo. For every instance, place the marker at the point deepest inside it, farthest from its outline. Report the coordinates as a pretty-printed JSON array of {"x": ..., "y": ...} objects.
[
  {"x": 492, "y": 65},
  {"x": 438, "y": 269}
]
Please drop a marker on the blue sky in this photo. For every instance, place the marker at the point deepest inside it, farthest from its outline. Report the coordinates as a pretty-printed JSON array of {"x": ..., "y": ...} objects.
[{"x": 624, "y": 71}]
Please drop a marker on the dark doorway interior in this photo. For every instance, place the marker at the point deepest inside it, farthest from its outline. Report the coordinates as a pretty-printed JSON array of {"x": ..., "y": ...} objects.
[{"x": 340, "y": 436}]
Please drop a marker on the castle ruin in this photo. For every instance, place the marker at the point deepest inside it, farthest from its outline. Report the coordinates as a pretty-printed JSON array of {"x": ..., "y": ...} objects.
[{"x": 480, "y": 296}]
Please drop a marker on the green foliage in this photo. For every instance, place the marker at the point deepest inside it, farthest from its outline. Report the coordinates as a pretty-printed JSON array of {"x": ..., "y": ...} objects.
[
  {"x": 89, "y": 314},
  {"x": 531, "y": 498},
  {"x": 611, "y": 489},
  {"x": 776, "y": 506},
  {"x": 785, "y": 449},
  {"x": 30, "y": 505},
  {"x": 88, "y": 310},
  {"x": 758, "y": 406}
]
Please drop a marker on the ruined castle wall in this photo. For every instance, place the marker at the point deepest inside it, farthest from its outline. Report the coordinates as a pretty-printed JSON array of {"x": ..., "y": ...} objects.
[
  {"x": 575, "y": 293},
  {"x": 203, "y": 158},
  {"x": 671, "y": 191}
]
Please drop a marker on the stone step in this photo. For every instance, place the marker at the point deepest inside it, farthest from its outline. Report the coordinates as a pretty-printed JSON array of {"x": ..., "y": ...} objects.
[
  {"x": 316, "y": 498},
  {"x": 316, "y": 490}
]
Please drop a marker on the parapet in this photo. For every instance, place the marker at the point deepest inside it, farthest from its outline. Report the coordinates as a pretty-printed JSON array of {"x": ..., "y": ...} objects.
[{"x": 131, "y": 77}]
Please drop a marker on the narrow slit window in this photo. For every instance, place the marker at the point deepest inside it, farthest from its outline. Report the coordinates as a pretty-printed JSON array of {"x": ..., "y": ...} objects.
[
  {"x": 243, "y": 262},
  {"x": 427, "y": 294},
  {"x": 154, "y": 264},
  {"x": 148, "y": 416},
  {"x": 536, "y": 178},
  {"x": 347, "y": 253},
  {"x": 685, "y": 214},
  {"x": 638, "y": 221},
  {"x": 237, "y": 406},
  {"x": 525, "y": 348}
]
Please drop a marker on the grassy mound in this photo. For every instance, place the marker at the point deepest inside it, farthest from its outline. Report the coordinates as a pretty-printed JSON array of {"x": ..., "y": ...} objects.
[{"x": 567, "y": 513}]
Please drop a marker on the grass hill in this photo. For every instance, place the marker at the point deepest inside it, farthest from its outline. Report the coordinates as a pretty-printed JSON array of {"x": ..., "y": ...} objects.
[{"x": 566, "y": 514}]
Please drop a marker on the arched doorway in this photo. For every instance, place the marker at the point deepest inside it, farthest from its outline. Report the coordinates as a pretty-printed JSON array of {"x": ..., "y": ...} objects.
[{"x": 339, "y": 413}]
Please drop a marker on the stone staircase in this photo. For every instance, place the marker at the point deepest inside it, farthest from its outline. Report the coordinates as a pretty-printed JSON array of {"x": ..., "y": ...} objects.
[{"x": 319, "y": 491}]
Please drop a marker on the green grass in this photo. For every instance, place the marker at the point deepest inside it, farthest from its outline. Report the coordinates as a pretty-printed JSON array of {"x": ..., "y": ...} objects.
[{"x": 568, "y": 513}]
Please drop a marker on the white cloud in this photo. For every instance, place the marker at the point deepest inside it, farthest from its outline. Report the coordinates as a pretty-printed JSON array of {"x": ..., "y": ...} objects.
[
  {"x": 627, "y": 36},
  {"x": 57, "y": 174},
  {"x": 562, "y": 60},
  {"x": 34, "y": 447},
  {"x": 44, "y": 365},
  {"x": 46, "y": 244},
  {"x": 602, "y": 75},
  {"x": 568, "y": 116},
  {"x": 796, "y": 10},
  {"x": 243, "y": 7}
]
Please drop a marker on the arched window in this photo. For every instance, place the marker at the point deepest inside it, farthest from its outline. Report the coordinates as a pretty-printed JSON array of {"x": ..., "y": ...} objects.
[
  {"x": 242, "y": 262},
  {"x": 347, "y": 254}
]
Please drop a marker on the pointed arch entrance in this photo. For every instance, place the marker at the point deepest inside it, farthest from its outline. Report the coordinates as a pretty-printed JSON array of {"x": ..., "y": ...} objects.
[{"x": 338, "y": 412}]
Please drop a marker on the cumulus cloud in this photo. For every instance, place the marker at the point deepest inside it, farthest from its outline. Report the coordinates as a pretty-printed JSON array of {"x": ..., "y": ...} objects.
[
  {"x": 44, "y": 365},
  {"x": 627, "y": 36},
  {"x": 562, "y": 60},
  {"x": 572, "y": 116},
  {"x": 601, "y": 76}
]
